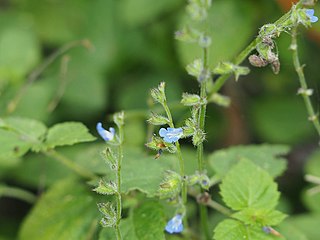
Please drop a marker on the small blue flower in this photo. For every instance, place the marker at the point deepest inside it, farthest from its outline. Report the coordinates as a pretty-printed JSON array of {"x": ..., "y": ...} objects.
[
  {"x": 175, "y": 225},
  {"x": 310, "y": 14},
  {"x": 106, "y": 135},
  {"x": 266, "y": 229},
  {"x": 171, "y": 135}
]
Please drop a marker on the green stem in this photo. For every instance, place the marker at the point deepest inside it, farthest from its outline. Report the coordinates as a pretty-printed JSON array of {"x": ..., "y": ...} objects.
[
  {"x": 219, "y": 207},
  {"x": 304, "y": 87},
  {"x": 118, "y": 176},
  {"x": 202, "y": 116},
  {"x": 17, "y": 193},
  {"x": 83, "y": 172}
]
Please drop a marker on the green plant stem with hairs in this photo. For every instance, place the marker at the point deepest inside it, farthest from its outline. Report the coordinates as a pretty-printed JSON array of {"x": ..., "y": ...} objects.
[
  {"x": 201, "y": 164},
  {"x": 118, "y": 178},
  {"x": 302, "y": 80}
]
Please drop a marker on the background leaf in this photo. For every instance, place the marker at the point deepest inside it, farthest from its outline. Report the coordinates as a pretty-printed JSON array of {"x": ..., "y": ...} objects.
[
  {"x": 67, "y": 133},
  {"x": 56, "y": 215},
  {"x": 233, "y": 229},
  {"x": 247, "y": 185},
  {"x": 265, "y": 156}
]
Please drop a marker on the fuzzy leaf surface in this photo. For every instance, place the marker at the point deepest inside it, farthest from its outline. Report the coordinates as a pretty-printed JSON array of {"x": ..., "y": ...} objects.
[
  {"x": 248, "y": 186},
  {"x": 266, "y": 156},
  {"x": 68, "y": 133}
]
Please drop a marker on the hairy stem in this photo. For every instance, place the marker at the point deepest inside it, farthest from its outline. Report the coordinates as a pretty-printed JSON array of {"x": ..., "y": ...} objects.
[
  {"x": 201, "y": 122},
  {"x": 118, "y": 176},
  {"x": 303, "y": 84}
]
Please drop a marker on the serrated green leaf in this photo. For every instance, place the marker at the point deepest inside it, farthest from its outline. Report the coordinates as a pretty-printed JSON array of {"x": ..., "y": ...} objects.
[
  {"x": 67, "y": 133},
  {"x": 67, "y": 211},
  {"x": 29, "y": 129},
  {"x": 148, "y": 220},
  {"x": 247, "y": 185},
  {"x": 142, "y": 172},
  {"x": 235, "y": 230},
  {"x": 260, "y": 217},
  {"x": 18, "y": 135},
  {"x": 265, "y": 156}
]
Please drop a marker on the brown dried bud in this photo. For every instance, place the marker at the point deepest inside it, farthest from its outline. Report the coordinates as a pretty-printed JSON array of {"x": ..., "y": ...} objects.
[
  {"x": 257, "y": 61},
  {"x": 275, "y": 65}
]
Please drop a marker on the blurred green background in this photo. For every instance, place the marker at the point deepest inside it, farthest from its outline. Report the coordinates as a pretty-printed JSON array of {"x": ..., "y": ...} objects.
[{"x": 131, "y": 50}]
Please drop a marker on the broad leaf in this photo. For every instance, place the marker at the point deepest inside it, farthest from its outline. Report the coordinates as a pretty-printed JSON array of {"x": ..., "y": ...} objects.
[
  {"x": 67, "y": 211},
  {"x": 146, "y": 222},
  {"x": 248, "y": 186},
  {"x": 235, "y": 230},
  {"x": 265, "y": 156},
  {"x": 142, "y": 172},
  {"x": 18, "y": 135},
  {"x": 260, "y": 217},
  {"x": 67, "y": 133}
]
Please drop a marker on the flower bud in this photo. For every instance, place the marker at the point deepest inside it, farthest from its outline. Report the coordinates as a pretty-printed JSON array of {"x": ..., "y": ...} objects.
[
  {"x": 195, "y": 68},
  {"x": 170, "y": 187},
  {"x": 198, "y": 137},
  {"x": 109, "y": 214},
  {"x": 118, "y": 119},
  {"x": 220, "y": 100},
  {"x": 157, "y": 119},
  {"x": 190, "y": 99},
  {"x": 106, "y": 188},
  {"x": 110, "y": 158},
  {"x": 158, "y": 94}
]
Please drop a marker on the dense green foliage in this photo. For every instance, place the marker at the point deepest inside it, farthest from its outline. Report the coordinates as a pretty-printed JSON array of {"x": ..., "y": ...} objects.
[{"x": 66, "y": 65}]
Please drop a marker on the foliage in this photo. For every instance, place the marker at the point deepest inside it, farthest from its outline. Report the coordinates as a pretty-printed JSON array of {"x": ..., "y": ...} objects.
[{"x": 165, "y": 166}]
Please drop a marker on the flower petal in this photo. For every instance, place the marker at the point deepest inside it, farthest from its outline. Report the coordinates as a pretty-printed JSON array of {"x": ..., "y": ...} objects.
[{"x": 106, "y": 135}]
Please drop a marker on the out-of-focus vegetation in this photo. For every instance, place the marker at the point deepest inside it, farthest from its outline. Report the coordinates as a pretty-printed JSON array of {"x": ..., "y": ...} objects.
[{"x": 111, "y": 53}]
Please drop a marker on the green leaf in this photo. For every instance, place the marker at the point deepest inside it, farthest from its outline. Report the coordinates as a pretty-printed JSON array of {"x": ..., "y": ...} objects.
[
  {"x": 68, "y": 133},
  {"x": 149, "y": 221},
  {"x": 18, "y": 135},
  {"x": 308, "y": 224},
  {"x": 142, "y": 172},
  {"x": 291, "y": 232},
  {"x": 145, "y": 222},
  {"x": 313, "y": 164},
  {"x": 235, "y": 230},
  {"x": 265, "y": 156},
  {"x": 28, "y": 129},
  {"x": 248, "y": 186},
  {"x": 260, "y": 217},
  {"x": 67, "y": 211}
]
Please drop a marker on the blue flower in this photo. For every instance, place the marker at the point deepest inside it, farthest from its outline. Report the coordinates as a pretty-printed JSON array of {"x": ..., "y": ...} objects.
[
  {"x": 171, "y": 135},
  {"x": 175, "y": 224},
  {"x": 310, "y": 14},
  {"x": 106, "y": 135}
]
